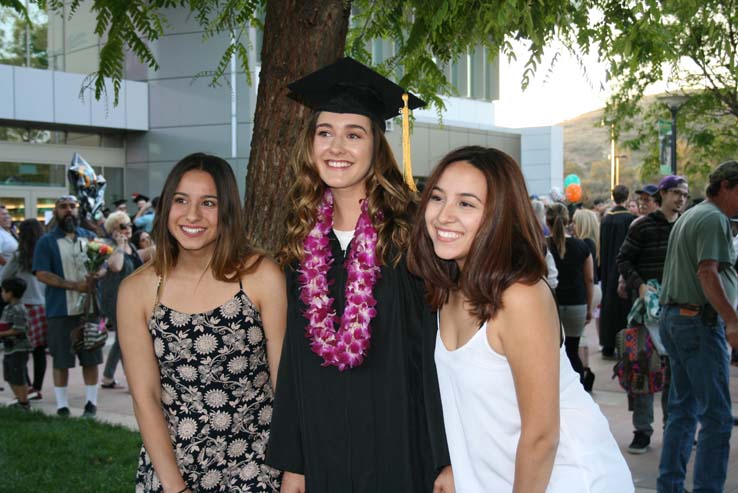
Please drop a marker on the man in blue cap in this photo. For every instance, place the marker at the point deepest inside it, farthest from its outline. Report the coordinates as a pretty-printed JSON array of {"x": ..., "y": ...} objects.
[{"x": 647, "y": 199}]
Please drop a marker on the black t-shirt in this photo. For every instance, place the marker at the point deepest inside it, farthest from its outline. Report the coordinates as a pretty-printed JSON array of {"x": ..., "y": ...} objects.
[{"x": 571, "y": 289}]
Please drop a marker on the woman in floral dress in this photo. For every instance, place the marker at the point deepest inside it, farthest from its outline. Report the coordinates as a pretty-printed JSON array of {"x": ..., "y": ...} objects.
[{"x": 202, "y": 378}]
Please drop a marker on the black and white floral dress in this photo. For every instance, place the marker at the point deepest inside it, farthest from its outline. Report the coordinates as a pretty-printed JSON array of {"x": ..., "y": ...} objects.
[{"x": 216, "y": 396}]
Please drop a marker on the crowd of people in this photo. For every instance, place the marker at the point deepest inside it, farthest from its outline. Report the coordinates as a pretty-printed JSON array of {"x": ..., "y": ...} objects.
[
  {"x": 47, "y": 276},
  {"x": 679, "y": 288},
  {"x": 392, "y": 344}
]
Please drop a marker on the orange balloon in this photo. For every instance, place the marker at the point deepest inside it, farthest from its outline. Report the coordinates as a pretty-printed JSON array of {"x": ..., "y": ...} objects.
[{"x": 574, "y": 193}]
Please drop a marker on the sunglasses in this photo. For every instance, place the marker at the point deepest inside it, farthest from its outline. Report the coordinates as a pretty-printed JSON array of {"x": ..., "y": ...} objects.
[
  {"x": 67, "y": 198},
  {"x": 124, "y": 226}
]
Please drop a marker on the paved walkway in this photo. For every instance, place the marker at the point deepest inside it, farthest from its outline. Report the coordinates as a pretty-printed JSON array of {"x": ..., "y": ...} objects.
[{"x": 114, "y": 406}]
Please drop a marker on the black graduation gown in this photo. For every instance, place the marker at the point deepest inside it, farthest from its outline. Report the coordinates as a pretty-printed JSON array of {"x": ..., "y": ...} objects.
[
  {"x": 614, "y": 311},
  {"x": 374, "y": 428}
]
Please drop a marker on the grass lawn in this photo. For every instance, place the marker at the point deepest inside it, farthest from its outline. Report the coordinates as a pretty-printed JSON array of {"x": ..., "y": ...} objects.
[{"x": 41, "y": 453}]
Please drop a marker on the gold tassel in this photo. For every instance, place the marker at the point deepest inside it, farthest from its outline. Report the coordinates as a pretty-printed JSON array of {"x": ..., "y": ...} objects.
[{"x": 407, "y": 167}]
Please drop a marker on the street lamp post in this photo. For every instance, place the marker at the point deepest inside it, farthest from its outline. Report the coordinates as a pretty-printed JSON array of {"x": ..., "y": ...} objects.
[
  {"x": 618, "y": 157},
  {"x": 674, "y": 103}
]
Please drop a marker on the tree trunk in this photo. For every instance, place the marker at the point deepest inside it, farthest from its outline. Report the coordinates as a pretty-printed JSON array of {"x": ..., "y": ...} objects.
[{"x": 300, "y": 36}]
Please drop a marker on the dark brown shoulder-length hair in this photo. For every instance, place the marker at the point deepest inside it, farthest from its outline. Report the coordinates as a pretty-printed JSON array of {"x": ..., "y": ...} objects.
[
  {"x": 509, "y": 246},
  {"x": 232, "y": 252},
  {"x": 386, "y": 191}
]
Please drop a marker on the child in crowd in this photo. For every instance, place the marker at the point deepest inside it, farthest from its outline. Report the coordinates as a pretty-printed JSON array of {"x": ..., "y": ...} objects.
[{"x": 13, "y": 329}]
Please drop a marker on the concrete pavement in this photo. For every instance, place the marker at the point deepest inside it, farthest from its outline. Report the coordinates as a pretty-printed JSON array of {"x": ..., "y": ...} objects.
[{"x": 114, "y": 406}]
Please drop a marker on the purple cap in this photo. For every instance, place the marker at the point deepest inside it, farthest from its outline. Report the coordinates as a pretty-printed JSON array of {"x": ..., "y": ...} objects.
[
  {"x": 671, "y": 181},
  {"x": 649, "y": 189}
]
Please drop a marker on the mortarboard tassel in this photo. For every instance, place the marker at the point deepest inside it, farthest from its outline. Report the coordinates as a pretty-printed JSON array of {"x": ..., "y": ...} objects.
[{"x": 407, "y": 167}]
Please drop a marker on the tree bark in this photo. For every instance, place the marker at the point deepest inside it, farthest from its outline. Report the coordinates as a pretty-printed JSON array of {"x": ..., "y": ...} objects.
[{"x": 300, "y": 36}]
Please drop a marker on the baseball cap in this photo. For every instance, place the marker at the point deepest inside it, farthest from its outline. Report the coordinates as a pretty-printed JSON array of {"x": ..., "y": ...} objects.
[
  {"x": 671, "y": 181},
  {"x": 725, "y": 171},
  {"x": 649, "y": 188},
  {"x": 138, "y": 196},
  {"x": 348, "y": 86}
]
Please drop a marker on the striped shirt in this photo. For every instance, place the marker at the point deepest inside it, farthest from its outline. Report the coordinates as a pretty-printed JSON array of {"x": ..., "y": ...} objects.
[{"x": 643, "y": 252}]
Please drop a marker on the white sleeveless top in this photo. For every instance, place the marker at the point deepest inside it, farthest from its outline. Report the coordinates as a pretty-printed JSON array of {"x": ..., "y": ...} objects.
[{"x": 482, "y": 423}]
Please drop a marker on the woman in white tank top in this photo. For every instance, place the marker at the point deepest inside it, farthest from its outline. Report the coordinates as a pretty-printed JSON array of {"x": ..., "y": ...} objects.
[{"x": 516, "y": 417}]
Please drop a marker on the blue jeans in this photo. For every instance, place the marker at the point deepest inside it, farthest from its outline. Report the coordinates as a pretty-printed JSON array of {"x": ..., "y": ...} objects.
[
  {"x": 699, "y": 358},
  {"x": 643, "y": 413}
]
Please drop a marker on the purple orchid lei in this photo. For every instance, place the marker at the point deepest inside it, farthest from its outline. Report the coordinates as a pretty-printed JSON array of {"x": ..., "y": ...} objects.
[{"x": 347, "y": 346}]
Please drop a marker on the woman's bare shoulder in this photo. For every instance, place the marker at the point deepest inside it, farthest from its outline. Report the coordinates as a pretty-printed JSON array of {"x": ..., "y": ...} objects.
[
  {"x": 264, "y": 281},
  {"x": 523, "y": 301},
  {"x": 141, "y": 281},
  {"x": 528, "y": 311},
  {"x": 262, "y": 269}
]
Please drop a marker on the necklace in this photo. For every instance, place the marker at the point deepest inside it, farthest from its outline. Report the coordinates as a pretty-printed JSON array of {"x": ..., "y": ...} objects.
[{"x": 346, "y": 347}]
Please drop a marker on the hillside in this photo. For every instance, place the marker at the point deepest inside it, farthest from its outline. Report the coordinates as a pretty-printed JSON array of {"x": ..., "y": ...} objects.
[{"x": 587, "y": 153}]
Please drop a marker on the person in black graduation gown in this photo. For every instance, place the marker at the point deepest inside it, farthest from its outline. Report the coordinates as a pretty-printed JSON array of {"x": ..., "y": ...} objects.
[
  {"x": 376, "y": 424},
  {"x": 613, "y": 230}
]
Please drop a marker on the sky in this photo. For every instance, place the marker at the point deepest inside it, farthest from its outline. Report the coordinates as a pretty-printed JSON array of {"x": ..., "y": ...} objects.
[{"x": 555, "y": 94}]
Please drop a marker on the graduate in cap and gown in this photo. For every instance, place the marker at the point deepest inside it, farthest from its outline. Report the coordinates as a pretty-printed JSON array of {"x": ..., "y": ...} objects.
[{"x": 357, "y": 407}]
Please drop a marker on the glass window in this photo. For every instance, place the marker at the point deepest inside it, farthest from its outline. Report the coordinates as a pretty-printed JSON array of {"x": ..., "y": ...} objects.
[
  {"x": 492, "y": 80},
  {"x": 378, "y": 54},
  {"x": 33, "y": 135},
  {"x": 44, "y": 206},
  {"x": 474, "y": 75},
  {"x": 260, "y": 34},
  {"x": 477, "y": 69},
  {"x": 453, "y": 75},
  {"x": 113, "y": 183},
  {"x": 82, "y": 139},
  {"x": 459, "y": 78},
  {"x": 32, "y": 174}
]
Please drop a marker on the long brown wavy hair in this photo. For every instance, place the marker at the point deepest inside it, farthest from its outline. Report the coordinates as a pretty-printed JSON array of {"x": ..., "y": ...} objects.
[
  {"x": 386, "y": 192},
  {"x": 232, "y": 251},
  {"x": 509, "y": 246}
]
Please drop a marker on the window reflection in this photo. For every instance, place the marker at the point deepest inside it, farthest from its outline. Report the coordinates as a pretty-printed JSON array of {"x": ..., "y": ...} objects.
[
  {"x": 64, "y": 137},
  {"x": 32, "y": 174}
]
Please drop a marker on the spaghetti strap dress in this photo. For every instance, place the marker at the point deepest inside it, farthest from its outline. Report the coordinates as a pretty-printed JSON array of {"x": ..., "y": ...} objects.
[
  {"x": 482, "y": 419},
  {"x": 216, "y": 397}
]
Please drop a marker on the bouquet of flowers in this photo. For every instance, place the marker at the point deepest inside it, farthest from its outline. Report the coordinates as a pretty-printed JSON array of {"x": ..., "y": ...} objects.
[{"x": 97, "y": 253}]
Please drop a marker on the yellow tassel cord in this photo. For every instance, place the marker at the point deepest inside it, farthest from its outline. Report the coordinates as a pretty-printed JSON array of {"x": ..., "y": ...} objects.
[{"x": 407, "y": 166}]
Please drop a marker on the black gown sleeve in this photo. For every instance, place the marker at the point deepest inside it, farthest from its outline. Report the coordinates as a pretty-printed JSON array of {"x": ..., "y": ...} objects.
[
  {"x": 285, "y": 450},
  {"x": 431, "y": 399}
]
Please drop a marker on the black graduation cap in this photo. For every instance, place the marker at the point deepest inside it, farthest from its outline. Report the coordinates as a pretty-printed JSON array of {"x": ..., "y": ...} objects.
[
  {"x": 119, "y": 202},
  {"x": 348, "y": 86}
]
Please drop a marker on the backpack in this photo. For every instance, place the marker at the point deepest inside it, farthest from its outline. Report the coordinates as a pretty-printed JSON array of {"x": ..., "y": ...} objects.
[{"x": 639, "y": 368}]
